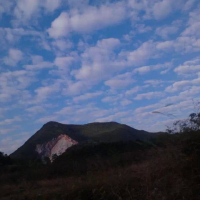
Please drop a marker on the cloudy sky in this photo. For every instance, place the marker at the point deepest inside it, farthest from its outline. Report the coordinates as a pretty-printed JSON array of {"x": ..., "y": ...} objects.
[{"x": 80, "y": 61}]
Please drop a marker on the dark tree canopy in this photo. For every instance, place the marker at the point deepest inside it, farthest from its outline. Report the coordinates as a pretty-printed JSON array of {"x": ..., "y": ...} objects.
[
  {"x": 186, "y": 125},
  {"x": 4, "y": 159}
]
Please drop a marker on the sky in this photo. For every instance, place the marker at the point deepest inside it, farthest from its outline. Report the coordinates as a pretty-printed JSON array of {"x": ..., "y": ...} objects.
[{"x": 81, "y": 61}]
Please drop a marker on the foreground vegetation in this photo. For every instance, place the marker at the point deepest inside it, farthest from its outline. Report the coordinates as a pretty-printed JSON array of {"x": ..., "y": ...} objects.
[{"x": 164, "y": 168}]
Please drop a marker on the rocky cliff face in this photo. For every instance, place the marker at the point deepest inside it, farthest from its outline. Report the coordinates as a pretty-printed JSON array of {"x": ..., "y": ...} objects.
[{"x": 56, "y": 146}]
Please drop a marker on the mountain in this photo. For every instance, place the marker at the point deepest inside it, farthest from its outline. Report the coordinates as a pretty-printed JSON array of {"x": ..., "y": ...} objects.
[{"x": 55, "y": 138}]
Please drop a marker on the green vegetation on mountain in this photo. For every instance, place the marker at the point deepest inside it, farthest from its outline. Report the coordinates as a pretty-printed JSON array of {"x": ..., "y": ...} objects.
[{"x": 101, "y": 132}]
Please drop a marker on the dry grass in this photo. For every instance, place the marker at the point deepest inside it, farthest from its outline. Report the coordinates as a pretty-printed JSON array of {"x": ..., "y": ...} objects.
[{"x": 168, "y": 174}]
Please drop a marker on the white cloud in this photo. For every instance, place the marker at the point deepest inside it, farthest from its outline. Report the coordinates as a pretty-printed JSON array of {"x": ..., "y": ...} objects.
[
  {"x": 145, "y": 52},
  {"x": 133, "y": 90},
  {"x": 159, "y": 9},
  {"x": 154, "y": 83},
  {"x": 128, "y": 37},
  {"x": 5, "y": 7},
  {"x": 77, "y": 113},
  {"x": 46, "y": 119},
  {"x": 192, "y": 30},
  {"x": 142, "y": 70},
  {"x": 110, "y": 99},
  {"x": 145, "y": 69},
  {"x": 95, "y": 61},
  {"x": 125, "y": 102},
  {"x": 13, "y": 83},
  {"x": 193, "y": 61},
  {"x": 69, "y": 110},
  {"x": 87, "y": 96},
  {"x": 60, "y": 26},
  {"x": 2, "y": 111},
  {"x": 148, "y": 108},
  {"x": 166, "y": 46},
  {"x": 20, "y": 78},
  {"x": 182, "y": 45},
  {"x": 36, "y": 109},
  {"x": 109, "y": 44},
  {"x": 103, "y": 59},
  {"x": 193, "y": 24},
  {"x": 187, "y": 69},
  {"x": 178, "y": 86},
  {"x": 51, "y": 5},
  {"x": 6, "y": 131},
  {"x": 36, "y": 59},
  {"x": 187, "y": 44},
  {"x": 82, "y": 45},
  {"x": 38, "y": 63},
  {"x": 44, "y": 92},
  {"x": 12, "y": 36},
  {"x": 142, "y": 28},
  {"x": 120, "y": 81},
  {"x": 26, "y": 10},
  {"x": 114, "y": 117},
  {"x": 178, "y": 108},
  {"x": 13, "y": 57},
  {"x": 62, "y": 45},
  {"x": 189, "y": 4},
  {"x": 164, "y": 8},
  {"x": 77, "y": 3},
  {"x": 9, "y": 144},
  {"x": 76, "y": 88},
  {"x": 190, "y": 92},
  {"x": 149, "y": 95},
  {"x": 10, "y": 121},
  {"x": 166, "y": 31},
  {"x": 78, "y": 67},
  {"x": 90, "y": 19},
  {"x": 64, "y": 62}
]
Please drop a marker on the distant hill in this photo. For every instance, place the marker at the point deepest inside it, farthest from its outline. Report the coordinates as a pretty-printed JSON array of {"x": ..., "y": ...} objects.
[{"x": 55, "y": 138}]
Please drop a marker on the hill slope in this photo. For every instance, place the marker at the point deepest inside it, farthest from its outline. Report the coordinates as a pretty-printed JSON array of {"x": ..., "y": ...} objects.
[
  {"x": 166, "y": 168},
  {"x": 47, "y": 137}
]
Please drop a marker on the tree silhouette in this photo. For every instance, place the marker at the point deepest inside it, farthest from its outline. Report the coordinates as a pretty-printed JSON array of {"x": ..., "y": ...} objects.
[
  {"x": 186, "y": 125},
  {"x": 4, "y": 159}
]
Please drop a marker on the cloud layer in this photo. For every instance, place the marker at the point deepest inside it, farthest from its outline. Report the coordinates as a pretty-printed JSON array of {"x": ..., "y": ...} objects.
[{"x": 82, "y": 61}]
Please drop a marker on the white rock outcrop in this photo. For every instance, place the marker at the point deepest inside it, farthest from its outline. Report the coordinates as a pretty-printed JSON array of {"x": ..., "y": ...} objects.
[{"x": 56, "y": 146}]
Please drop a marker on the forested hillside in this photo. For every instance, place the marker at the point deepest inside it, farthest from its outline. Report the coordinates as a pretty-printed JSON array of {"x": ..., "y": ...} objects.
[{"x": 165, "y": 167}]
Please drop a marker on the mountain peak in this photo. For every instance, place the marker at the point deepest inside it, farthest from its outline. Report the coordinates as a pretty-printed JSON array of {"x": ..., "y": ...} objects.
[
  {"x": 50, "y": 123},
  {"x": 104, "y": 123},
  {"x": 97, "y": 131}
]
